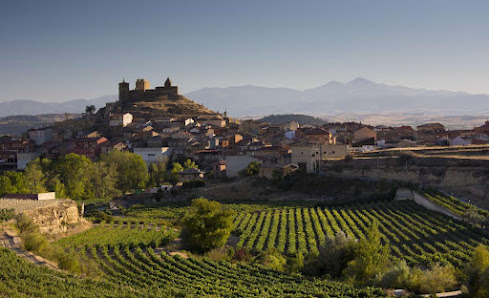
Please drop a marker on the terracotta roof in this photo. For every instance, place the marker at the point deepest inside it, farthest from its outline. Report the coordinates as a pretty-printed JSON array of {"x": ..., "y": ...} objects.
[{"x": 316, "y": 131}]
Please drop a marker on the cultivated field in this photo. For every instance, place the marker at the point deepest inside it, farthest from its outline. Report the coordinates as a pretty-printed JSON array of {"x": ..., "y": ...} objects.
[{"x": 414, "y": 233}]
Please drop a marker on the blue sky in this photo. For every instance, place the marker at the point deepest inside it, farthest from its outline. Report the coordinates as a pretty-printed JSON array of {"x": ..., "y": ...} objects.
[{"x": 61, "y": 50}]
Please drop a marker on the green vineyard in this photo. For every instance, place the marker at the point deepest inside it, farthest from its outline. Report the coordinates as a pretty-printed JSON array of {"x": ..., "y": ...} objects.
[
  {"x": 126, "y": 233},
  {"x": 414, "y": 233},
  {"x": 452, "y": 204},
  {"x": 136, "y": 272}
]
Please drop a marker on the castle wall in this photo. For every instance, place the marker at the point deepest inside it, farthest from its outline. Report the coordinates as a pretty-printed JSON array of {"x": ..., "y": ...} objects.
[{"x": 160, "y": 93}]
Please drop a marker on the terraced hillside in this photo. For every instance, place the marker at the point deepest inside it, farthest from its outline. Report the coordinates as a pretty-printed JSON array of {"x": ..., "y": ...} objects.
[{"x": 414, "y": 233}]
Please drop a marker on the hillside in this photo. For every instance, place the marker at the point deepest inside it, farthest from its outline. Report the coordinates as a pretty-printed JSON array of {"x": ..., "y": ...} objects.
[
  {"x": 33, "y": 107},
  {"x": 285, "y": 118},
  {"x": 16, "y": 125},
  {"x": 138, "y": 273},
  {"x": 182, "y": 106}
]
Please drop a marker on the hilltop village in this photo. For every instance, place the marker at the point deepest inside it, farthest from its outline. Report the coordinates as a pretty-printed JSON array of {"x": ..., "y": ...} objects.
[
  {"x": 159, "y": 124},
  {"x": 158, "y": 194}
]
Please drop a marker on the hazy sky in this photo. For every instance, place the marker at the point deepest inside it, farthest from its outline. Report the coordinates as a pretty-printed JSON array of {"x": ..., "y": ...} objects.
[{"x": 61, "y": 50}]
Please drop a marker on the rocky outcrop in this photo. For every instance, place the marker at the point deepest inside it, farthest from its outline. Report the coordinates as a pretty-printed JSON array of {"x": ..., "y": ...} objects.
[
  {"x": 467, "y": 179},
  {"x": 56, "y": 218}
]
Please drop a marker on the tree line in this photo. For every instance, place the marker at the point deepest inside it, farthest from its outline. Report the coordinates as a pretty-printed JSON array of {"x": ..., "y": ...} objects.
[{"x": 77, "y": 177}]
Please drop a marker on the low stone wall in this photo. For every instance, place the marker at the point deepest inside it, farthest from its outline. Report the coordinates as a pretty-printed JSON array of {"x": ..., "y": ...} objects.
[
  {"x": 46, "y": 196},
  {"x": 407, "y": 194}
]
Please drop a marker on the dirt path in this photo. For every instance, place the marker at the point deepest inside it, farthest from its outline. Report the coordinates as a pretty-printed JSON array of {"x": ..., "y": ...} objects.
[{"x": 10, "y": 240}]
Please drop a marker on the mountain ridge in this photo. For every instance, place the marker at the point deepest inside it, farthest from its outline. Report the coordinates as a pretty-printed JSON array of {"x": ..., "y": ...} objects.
[{"x": 359, "y": 95}]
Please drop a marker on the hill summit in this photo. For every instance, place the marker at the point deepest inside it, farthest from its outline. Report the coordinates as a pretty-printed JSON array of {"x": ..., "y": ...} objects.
[{"x": 158, "y": 102}]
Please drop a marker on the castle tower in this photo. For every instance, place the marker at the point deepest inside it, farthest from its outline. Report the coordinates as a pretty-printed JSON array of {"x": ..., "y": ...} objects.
[
  {"x": 123, "y": 91},
  {"x": 142, "y": 85}
]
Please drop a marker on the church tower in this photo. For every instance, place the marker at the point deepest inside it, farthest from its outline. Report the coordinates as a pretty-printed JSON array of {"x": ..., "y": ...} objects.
[{"x": 123, "y": 91}]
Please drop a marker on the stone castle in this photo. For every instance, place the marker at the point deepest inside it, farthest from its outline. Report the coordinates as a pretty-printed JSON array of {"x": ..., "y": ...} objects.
[{"x": 142, "y": 92}]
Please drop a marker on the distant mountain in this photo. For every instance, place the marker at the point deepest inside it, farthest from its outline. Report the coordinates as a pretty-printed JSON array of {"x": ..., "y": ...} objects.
[
  {"x": 32, "y": 107},
  {"x": 334, "y": 100},
  {"x": 357, "y": 96}
]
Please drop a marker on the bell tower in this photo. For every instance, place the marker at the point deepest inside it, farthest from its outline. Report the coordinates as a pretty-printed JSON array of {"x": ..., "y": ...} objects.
[{"x": 123, "y": 91}]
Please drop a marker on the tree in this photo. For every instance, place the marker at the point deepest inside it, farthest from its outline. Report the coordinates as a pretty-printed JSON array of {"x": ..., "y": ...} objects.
[
  {"x": 206, "y": 225},
  {"x": 252, "y": 169},
  {"x": 190, "y": 164},
  {"x": 90, "y": 109},
  {"x": 53, "y": 183},
  {"x": 75, "y": 173},
  {"x": 16, "y": 182},
  {"x": 6, "y": 186},
  {"x": 478, "y": 272},
  {"x": 34, "y": 177},
  {"x": 104, "y": 180},
  {"x": 131, "y": 169},
  {"x": 177, "y": 167},
  {"x": 371, "y": 258},
  {"x": 157, "y": 173},
  {"x": 334, "y": 256}
]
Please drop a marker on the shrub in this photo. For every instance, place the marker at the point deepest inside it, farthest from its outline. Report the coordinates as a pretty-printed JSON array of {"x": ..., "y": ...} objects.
[
  {"x": 6, "y": 214},
  {"x": 438, "y": 279},
  {"x": 296, "y": 264},
  {"x": 478, "y": 273},
  {"x": 252, "y": 169},
  {"x": 271, "y": 259},
  {"x": 371, "y": 258},
  {"x": 220, "y": 254},
  {"x": 68, "y": 261},
  {"x": 397, "y": 277},
  {"x": 35, "y": 241},
  {"x": 193, "y": 184},
  {"x": 333, "y": 257},
  {"x": 25, "y": 224},
  {"x": 206, "y": 225}
]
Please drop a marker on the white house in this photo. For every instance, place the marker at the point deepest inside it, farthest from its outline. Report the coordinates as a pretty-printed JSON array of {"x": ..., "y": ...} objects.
[
  {"x": 306, "y": 156},
  {"x": 333, "y": 151},
  {"x": 189, "y": 121},
  {"x": 290, "y": 135},
  {"x": 155, "y": 155},
  {"x": 380, "y": 143},
  {"x": 120, "y": 119},
  {"x": 367, "y": 148},
  {"x": 23, "y": 158},
  {"x": 236, "y": 163},
  {"x": 459, "y": 141},
  {"x": 41, "y": 135}
]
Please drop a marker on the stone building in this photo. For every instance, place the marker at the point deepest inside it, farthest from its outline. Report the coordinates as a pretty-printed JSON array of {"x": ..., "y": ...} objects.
[
  {"x": 143, "y": 93},
  {"x": 363, "y": 134},
  {"x": 142, "y": 85}
]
